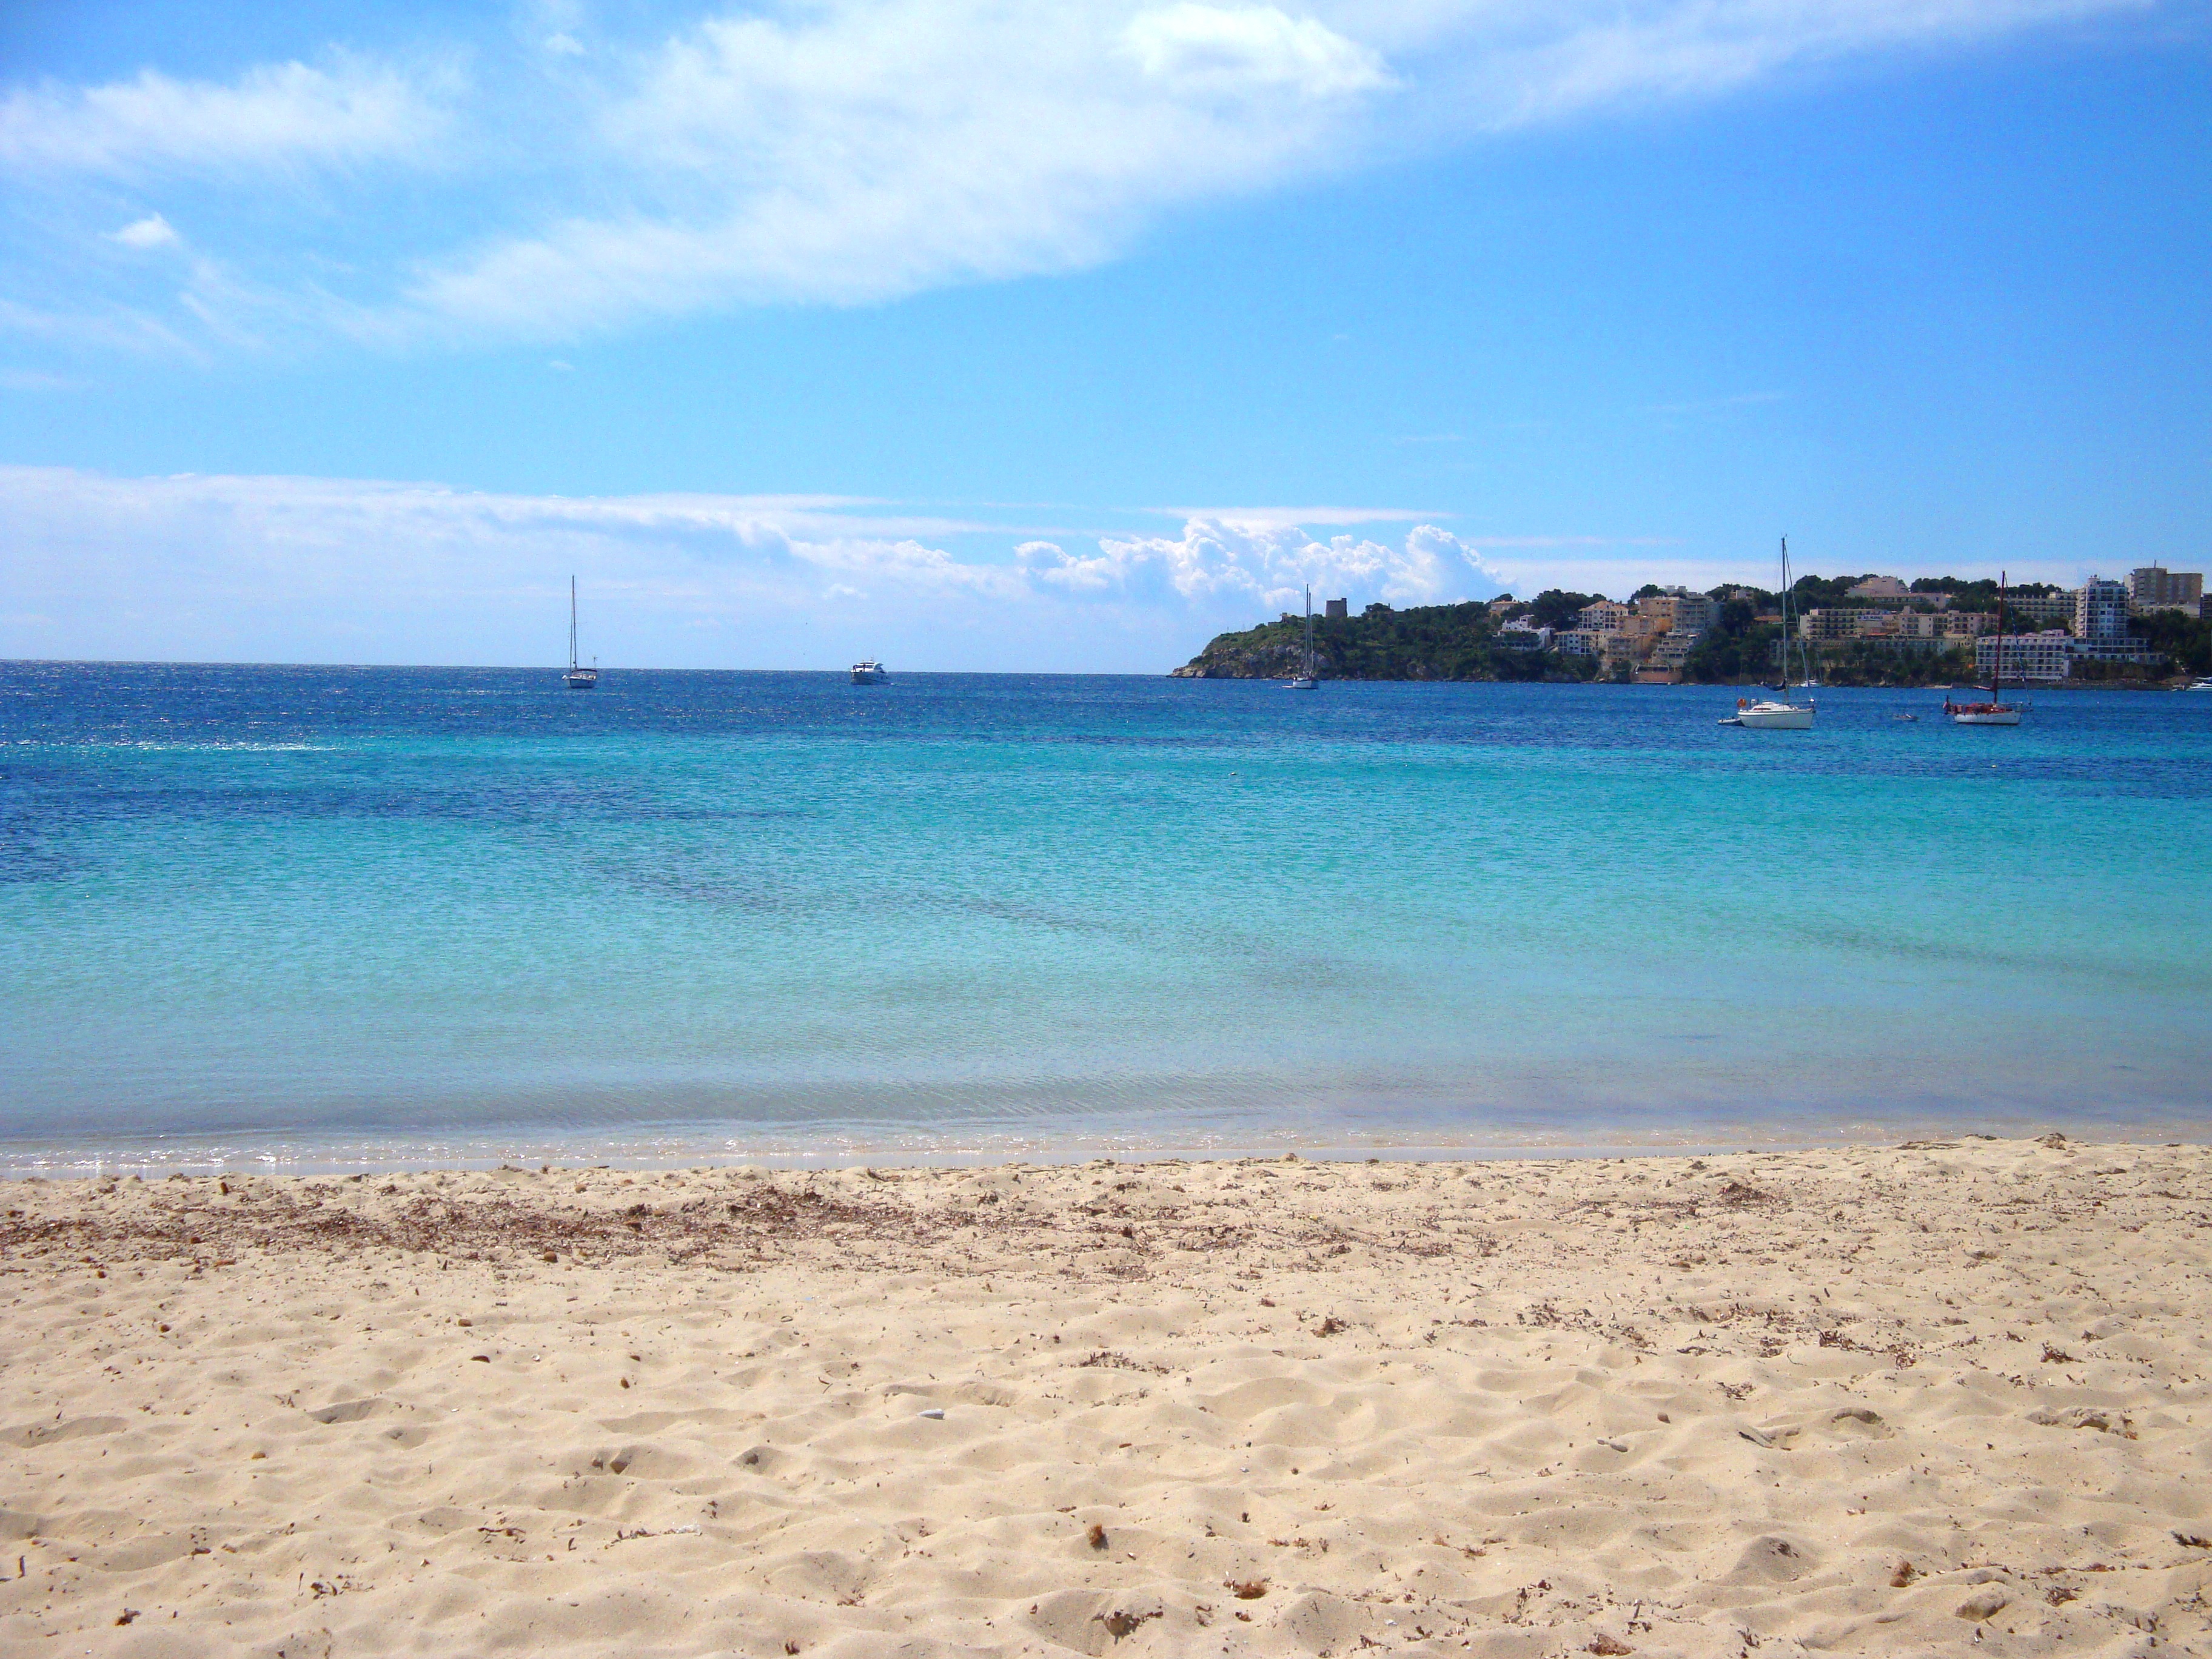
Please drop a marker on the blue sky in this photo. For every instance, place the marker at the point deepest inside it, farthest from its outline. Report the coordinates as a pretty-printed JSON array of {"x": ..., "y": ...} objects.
[{"x": 1033, "y": 336}]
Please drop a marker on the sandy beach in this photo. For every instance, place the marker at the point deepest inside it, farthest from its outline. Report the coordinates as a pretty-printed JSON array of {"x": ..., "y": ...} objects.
[{"x": 1935, "y": 1398}]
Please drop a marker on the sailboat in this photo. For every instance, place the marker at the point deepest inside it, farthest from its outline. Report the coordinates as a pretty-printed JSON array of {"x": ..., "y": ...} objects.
[
  {"x": 1785, "y": 715},
  {"x": 1305, "y": 681},
  {"x": 580, "y": 677},
  {"x": 1996, "y": 711}
]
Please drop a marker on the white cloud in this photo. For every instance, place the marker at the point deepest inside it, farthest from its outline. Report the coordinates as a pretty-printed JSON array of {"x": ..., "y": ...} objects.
[
  {"x": 1226, "y": 48},
  {"x": 275, "y": 117},
  {"x": 862, "y": 149},
  {"x": 287, "y": 568},
  {"x": 853, "y": 151},
  {"x": 1219, "y": 565},
  {"x": 150, "y": 232}
]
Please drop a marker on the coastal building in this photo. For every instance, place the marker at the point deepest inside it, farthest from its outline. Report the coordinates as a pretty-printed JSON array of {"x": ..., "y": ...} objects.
[
  {"x": 1830, "y": 624},
  {"x": 1522, "y": 635},
  {"x": 1902, "y": 630},
  {"x": 1603, "y": 616},
  {"x": 1679, "y": 610},
  {"x": 1877, "y": 590},
  {"x": 2100, "y": 625},
  {"x": 1617, "y": 652},
  {"x": 1577, "y": 641},
  {"x": 2154, "y": 587},
  {"x": 2047, "y": 657},
  {"x": 2041, "y": 607},
  {"x": 1336, "y": 610},
  {"x": 1891, "y": 592}
]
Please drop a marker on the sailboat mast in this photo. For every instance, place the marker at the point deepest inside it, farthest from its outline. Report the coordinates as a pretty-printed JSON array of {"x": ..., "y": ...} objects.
[
  {"x": 1996, "y": 663},
  {"x": 1787, "y": 631},
  {"x": 1309, "y": 673},
  {"x": 572, "y": 623}
]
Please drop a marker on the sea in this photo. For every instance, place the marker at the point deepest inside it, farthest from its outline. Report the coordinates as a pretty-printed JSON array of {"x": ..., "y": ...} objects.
[{"x": 318, "y": 918}]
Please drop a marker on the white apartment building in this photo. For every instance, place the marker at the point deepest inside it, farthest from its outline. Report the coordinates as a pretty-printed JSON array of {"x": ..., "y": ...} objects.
[
  {"x": 1603, "y": 618},
  {"x": 2100, "y": 625},
  {"x": 1525, "y": 636},
  {"x": 2048, "y": 656},
  {"x": 1577, "y": 641}
]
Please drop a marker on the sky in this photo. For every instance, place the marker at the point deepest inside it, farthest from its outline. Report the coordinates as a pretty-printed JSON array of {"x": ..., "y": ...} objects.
[{"x": 1061, "y": 336}]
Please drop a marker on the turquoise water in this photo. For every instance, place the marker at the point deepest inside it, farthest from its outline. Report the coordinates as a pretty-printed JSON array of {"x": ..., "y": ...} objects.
[{"x": 411, "y": 914}]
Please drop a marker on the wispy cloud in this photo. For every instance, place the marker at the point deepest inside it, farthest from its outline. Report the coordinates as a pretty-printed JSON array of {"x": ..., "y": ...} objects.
[
  {"x": 151, "y": 232},
  {"x": 837, "y": 151},
  {"x": 276, "y": 117}
]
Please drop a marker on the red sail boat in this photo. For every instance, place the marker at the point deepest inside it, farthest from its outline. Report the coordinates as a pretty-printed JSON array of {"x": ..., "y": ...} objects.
[{"x": 1996, "y": 711}]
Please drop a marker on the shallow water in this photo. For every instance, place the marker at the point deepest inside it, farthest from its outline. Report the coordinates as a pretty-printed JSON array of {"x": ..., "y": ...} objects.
[{"x": 399, "y": 915}]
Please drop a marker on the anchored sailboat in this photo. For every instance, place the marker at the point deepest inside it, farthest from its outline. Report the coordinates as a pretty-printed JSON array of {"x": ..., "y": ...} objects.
[
  {"x": 580, "y": 677},
  {"x": 1995, "y": 711},
  {"x": 1305, "y": 681},
  {"x": 1785, "y": 715}
]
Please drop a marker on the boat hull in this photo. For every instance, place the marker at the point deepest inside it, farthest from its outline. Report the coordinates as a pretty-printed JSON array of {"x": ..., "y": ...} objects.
[
  {"x": 1303, "y": 685},
  {"x": 870, "y": 677},
  {"x": 1986, "y": 717},
  {"x": 581, "y": 679},
  {"x": 1775, "y": 717}
]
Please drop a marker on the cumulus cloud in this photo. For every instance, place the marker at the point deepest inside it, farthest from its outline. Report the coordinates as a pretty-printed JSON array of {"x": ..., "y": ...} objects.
[
  {"x": 851, "y": 151},
  {"x": 321, "y": 569},
  {"x": 1263, "y": 566}
]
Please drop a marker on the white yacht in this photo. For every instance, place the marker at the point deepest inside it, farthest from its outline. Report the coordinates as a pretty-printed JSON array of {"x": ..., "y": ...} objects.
[
  {"x": 870, "y": 673},
  {"x": 1305, "y": 680},
  {"x": 1765, "y": 714},
  {"x": 580, "y": 677}
]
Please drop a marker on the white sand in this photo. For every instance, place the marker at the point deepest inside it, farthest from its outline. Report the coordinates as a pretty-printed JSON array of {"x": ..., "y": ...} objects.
[{"x": 1878, "y": 1401}]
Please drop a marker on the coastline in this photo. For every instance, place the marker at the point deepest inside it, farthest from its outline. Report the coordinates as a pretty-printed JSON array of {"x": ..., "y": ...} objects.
[
  {"x": 304, "y": 1156},
  {"x": 1932, "y": 1398}
]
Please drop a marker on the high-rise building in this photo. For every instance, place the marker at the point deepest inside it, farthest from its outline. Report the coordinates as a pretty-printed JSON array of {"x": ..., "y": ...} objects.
[
  {"x": 2100, "y": 612},
  {"x": 2154, "y": 587},
  {"x": 2100, "y": 625}
]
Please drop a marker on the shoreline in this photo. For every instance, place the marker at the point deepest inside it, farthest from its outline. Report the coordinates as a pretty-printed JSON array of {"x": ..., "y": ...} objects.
[
  {"x": 1936, "y": 1399},
  {"x": 339, "y": 1156}
]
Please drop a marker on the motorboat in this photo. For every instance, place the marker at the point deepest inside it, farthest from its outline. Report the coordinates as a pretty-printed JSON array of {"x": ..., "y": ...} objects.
[
  {"x": 580, "y": 677},
  {"x": 870, "y": 673}
]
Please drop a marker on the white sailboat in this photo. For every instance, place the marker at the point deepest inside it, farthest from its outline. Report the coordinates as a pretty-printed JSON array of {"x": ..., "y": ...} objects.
[
  {"x": 1765, "y": 714},
  {"x": 1996, "y": 711},
  {"x": 580, "y": 677},
  {"x": 1305, "y": 681}
]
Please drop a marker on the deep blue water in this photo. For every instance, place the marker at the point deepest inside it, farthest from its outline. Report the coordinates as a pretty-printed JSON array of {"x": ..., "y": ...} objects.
[{"x": 442, "y": 913}]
